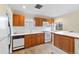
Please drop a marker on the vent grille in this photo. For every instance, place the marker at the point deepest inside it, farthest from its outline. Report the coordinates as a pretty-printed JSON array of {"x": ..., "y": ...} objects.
[{"x": 38, "y": 6}]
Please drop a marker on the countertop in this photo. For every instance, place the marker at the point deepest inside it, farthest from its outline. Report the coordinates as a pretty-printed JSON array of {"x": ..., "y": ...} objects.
[
  {"x": 27, "y": 33},
  {"x": 67, "y": 33}
]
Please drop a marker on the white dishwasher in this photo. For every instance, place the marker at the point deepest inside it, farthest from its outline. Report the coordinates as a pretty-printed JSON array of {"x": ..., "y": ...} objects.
[{"x": 18, "y": 42}]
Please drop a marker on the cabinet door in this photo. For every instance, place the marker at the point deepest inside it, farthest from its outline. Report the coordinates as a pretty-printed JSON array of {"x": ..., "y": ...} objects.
[
  {"x": 50, "y": 21},
  {"x": 30, "y": 40},
  {"x": 58, "y": 41},
  {"x": 68, "y": 44},
  {"x": 38, "y": 22},
  {"x": 15, "y": 20},
  {"x": 21, "y": 20},
  {"x": 65, "y": 43},
  {"x": 27, "y": 41},
  {"x": 40, "y": 38},
  {"x": 33, "y": 39},
  {"x": 18, "y": 20}
]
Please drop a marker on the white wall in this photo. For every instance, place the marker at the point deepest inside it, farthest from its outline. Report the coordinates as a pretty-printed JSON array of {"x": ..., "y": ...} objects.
[{"x": 70, "y": 21}]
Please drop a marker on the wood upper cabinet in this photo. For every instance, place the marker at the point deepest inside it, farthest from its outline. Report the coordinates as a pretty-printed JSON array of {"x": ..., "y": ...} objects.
[
  {"x": 21, "y": 20},
  {"x": 64, "y": 42},
  {"x": 33, "y": 40},
  {"x": 38, "y": 21},
  {"x": 50, "y": 20},
  {"x": 15, "y": 21},
  {"x": 18, "y": 20}
]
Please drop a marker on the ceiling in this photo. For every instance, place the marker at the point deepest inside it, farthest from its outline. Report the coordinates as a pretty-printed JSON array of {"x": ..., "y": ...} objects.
[{"x": 52, "y": 10}]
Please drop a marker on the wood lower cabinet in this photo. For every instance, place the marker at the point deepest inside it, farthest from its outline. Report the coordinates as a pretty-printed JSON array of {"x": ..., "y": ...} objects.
[
  {"x": 40, "y": 38},
  {"x": 33, "y": 40},
  {"x": 64, "y": 42},
  {"x": 27, "y": 41}
]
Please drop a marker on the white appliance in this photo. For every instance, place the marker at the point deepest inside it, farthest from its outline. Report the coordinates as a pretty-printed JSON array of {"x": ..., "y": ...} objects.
[
  {"x": 47, "y": 34},
  {"x": 4, "y": 35},
  {"x": 47, "y": 28},
  {"x": 18, "y": 42},
  {"x": 76, "y": 46}
]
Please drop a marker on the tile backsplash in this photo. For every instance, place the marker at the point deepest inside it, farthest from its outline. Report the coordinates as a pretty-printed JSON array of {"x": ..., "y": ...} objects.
[
  {"x": 19, "y": 29},
  {"x": 30, "y": 27}
]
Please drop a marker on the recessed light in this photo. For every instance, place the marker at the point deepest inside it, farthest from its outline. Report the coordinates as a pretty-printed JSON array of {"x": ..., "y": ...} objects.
[{"x": 23, "y": 7}]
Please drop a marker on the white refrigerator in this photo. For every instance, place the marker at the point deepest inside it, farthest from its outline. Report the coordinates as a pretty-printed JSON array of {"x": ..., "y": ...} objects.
[{"x": 4, "y": 35}]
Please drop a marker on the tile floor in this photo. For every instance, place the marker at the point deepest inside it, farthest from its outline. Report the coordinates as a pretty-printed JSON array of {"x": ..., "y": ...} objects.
[{"x": 47, "y": 48}]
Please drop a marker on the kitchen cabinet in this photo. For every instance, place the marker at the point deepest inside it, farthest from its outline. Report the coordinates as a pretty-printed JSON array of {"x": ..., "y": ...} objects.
[
  {"x": 68, "y": 44},
  {"x": 57, "y": 41},
  {"x": 65, "y": 43},
  {"x": 27, "y": 41},
  {"x": 30, "y": 40},
  {"x": 33, "y": 40},
  {"x": 18, "y": 20},
  {"x": 40, "y": 38},
  {"x": 38, "y": 21},
  {"x": 50, "y": 20}
]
